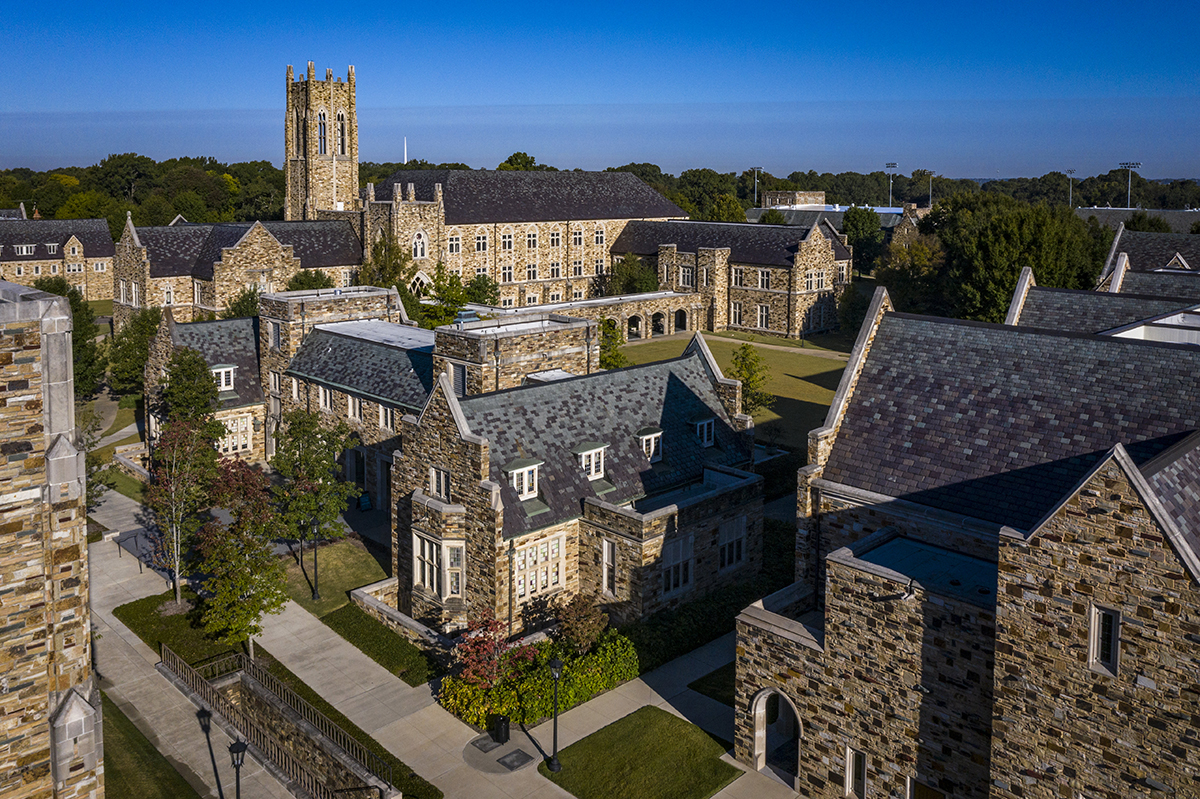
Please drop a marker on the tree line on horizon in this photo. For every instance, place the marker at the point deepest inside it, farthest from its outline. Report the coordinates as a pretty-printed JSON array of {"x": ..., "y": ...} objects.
[{"x": 206, "y": 190}]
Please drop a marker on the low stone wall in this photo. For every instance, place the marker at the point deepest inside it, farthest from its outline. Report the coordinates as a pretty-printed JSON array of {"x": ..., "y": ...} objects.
[{"x": 380, "y": 601}]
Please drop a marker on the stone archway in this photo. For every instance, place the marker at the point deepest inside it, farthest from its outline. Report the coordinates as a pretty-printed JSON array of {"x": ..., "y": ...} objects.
[
  {"x": 634, "y": 328},
  {"x": 680, "y": 320},
  {"x": 777, "y": 734},
  {"x": 658, "y": 324}
]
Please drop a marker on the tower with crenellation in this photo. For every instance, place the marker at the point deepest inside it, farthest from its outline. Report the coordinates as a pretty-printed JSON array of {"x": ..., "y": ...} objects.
[{"x": 320, "y": 144}]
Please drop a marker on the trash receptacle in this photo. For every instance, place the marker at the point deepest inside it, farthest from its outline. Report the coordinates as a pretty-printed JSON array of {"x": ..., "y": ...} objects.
[{"x": 500, "y": 729}]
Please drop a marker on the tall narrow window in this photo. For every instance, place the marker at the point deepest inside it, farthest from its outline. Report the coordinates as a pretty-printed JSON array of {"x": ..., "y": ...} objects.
[
  {"x": 764, "y": 316},
  {"x": 856, "y": 774},
  {"x": 704, "y": 431},
  {"x": 427, "y": 564},
  {"x": 321, "y": 133},
  {"x": 341, "y": 133},
  {"x": 325, "y": 399},
  {"x": 354, "y": 408},
  {"x": 299, "y": 131},
  {"x": 735, "y": 313},
  {"x": 273, "y": 329},
  {"x": 168, "y": 295},
  {"x": 454, "y": 571},
  {"x": 418, "y": 247},
  {"x": 1105, "y": 639},
  {"x": 731, "y": 543},
  {"x": 459, "y": 375},
  {"x": 610, "y": 566},
  {"x": 677, "y": 565},
  {"x": 439, "y": 483}
]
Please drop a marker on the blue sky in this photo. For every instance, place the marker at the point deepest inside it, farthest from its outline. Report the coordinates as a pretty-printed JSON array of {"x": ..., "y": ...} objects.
[{"x": 965, "y": 89}]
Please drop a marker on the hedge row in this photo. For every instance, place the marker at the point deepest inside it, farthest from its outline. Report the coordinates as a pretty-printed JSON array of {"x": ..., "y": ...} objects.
[{"x": 528, "y": 696}]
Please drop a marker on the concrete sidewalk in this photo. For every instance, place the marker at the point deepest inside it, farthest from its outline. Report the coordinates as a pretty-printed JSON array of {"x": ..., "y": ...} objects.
[{"x": 157, "y": 708}]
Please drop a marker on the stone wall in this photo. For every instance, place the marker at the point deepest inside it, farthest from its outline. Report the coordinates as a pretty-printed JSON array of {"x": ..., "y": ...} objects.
[
  {"x": 1062, "y": 726},
  {"x": 316, "y": 180},
  {"x": 771, "y": 199},
  {"x": 92, "y": 276}
]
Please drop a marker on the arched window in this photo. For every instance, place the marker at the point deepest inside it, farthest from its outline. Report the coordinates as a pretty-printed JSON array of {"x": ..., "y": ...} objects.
[
  {"x": 299, "y": 129},
  {"x": 418, "y": 248},
  {"x": 419, "y": 284},
  {"x": 321, "y": 133},
  {"x": 341, "y": 133}
]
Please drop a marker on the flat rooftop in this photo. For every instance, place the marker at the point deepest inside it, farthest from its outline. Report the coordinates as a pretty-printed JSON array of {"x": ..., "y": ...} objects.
[
  {"x": 939, "y": 571},
  {"x": 380, "y": 332}
]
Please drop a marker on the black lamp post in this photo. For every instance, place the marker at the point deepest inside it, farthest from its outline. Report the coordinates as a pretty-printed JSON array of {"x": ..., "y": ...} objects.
[
  {"x": 316, "y": 578},
  {"x": 237, "y": 753},
  {"x": 556, "y": 667}
]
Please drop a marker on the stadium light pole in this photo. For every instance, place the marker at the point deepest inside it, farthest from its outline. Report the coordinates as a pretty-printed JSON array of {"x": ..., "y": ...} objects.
[
  {"x": 756, "y": 169},
  {"x": 1130, "y": 165},
  {"x": 1070, "y": 187},
  {"x": 890, "y": 165}
]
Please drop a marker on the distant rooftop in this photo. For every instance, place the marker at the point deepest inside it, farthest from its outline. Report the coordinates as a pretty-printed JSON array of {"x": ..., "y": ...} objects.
[{"x": 380, "y": 332}]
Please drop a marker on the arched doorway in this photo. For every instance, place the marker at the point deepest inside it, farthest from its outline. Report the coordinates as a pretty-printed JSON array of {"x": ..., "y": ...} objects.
[
  {"x": 776, "y": 736},
  {"x": 658, "y": 324},
  {"x": 635, "y": 327},
  {"x": 680, "y": 321}
]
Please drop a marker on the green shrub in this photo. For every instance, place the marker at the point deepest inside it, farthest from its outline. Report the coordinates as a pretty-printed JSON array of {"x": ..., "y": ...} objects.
[{"x": 529, "y": 696}]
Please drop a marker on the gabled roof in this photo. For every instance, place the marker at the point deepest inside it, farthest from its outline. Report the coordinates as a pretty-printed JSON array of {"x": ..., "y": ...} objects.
[
  {"x": 808, "y": 218},
  {"x": 1073, "y": 311},
  {"x": 93, "y": 234},
  {"x": 1163, "y": 284},
  {"x": 378, "y": 371},
  {"x": 178, "y": 250},
  {"x": 13, "y": 213},
  {"x": 1175, "y": 478},
  {"x": 1150, "y": 251},
  {"x": 1180, "y": 221},
  {"x": 547, "y": 421},
  {"x": 766, "y": 245},
  {"x": 232, "y": 342},
  {"x": 473, "y": 197},
  {"x": 999, "y": 422}
]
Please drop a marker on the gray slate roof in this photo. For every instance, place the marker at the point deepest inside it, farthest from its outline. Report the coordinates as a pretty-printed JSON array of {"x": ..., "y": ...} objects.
[
  {"x": 227, "y": 341},
  {"x": 1072, "y": 311},
  {"x": 806, "y": 219},
  {"x": 92, "y": 233},
  {"x": 1150, "y": 251},
  {"x": 12, "y": 213},
  {"x": 475, "y": 197},
  {"x": 1163, "y": 284},
  {"x": 187, "y": 249},
  {"x": 1175, "y": 478},
  {"x": 1180, "y": 221},
  {"x": 768, "y": 245},
  {"x": 1000, "y": 422},
  {"x": 378, "y": 372},
  {"x": 546, "y": 421}
]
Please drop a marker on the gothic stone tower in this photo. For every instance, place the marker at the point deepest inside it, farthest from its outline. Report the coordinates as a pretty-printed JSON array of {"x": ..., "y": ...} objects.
[{"x": 320, "y": 145}]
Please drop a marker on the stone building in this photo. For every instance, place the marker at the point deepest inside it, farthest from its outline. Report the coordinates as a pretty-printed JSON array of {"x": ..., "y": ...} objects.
[
  {"x": 79, "y": 250},
  {"x": 13, "y": 213},
  {"x": 230, "y": 347},
  {"x": 51, "y": 744},
  {"x": 1138, "y": 251},
  {"x": 320, "y": 144},
  {"x": 996, "y": 561},
  {"x": 198, "y": 269}
]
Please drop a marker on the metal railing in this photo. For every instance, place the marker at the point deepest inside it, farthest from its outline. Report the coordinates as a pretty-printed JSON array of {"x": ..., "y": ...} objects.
[{"x": 197, "y": 680}]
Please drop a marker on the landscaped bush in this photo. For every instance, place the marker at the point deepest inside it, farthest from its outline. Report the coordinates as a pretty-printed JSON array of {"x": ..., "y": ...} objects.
[
  {"x": 387, "y": 648},
  {"x": 527, "y": 695}
]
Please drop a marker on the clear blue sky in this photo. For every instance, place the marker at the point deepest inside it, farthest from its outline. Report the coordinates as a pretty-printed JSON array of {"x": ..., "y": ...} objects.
[{"x": 966, "y": 89}]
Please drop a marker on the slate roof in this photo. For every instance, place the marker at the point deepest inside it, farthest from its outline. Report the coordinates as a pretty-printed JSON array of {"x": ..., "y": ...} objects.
[
  {"x": 473, "y": 197},
  {"x": 1150, "y": 251},
  {"x": 1000, "y": 422},
  {"x": 376, "y": 371},
  {"x": 1180, "y": 221},
  {"x": 1175, "y": 478},
  {"x": 12, "y": 213},
  {"x": 227, "y": 341},
  {"x": 92, "y": 233},
  {"x": 546, "y": 421},
  {"x": 1074, "y": 311},
  {"x": 1163, "y": 284},
  {"x": 187, "y": 249},
  {"x": 768, "y": 245},
  {"x": 806, "y": 219}
]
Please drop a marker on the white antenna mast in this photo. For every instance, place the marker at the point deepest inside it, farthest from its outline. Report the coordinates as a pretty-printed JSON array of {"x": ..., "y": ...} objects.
[{"x": 406, "y": 149}]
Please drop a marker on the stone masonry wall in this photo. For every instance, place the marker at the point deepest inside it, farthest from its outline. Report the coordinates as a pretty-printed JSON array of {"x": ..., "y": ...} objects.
[
  {"x": 1062, "y": 727},
  {"x": 315, "y": 180},
  {"x": 496, "y": 362}
]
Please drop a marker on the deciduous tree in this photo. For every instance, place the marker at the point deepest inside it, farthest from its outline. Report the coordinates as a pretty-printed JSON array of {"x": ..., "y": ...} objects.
[
  {"x": 726, "y": 208},
  {"x": 88, "y": 358},
  {"x": 130, "y": 351},
  {"x": 88, "y": 423},
  {"x": 772, "y": 216},
  {"x": 1147, "y": 223},
  {"x": 243, "y": 305},
  {"x": 750, "y": 368},
  {"x": 482, "y": 290},
  {"x": 580, "y": 622},
  {"x": 190, "y": 392},
  {"x": 865, "y": 235},
  {"x": 309, "y": 280}
]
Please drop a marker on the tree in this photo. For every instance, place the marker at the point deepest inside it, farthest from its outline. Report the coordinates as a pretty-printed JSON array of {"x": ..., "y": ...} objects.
[
  {"x": 701, "y": 187},
  {"x": 852, "y": 307},
  {"x": 482, "y": 650},
  {"x": 523, "y": 162},
  {"x": 580, "y": 622},
  {"x": 482, "y": 290},
  {"x": 726, "y": 208},
  {"x": 190, "y": 392},
  {"x": 611, "y": 340},
  {"x": 131, "y": 350},
  {"x": 389, "y": 264},
  {"x": 449, "y": 296},
  {"x": 183, "y": 468},
  {"x": 864, "y": 234},
  {"x": 630, "y": 275},
  {"x": 912, "y": 274},
  {"x": 88, "y": 359},
  {"x": 88, "y": 423},
  {"x": 309, "y": 280},
  {"x": 750, "y": 368},
  {"x": 1143, "y": 222},
  {"x": 245, "y": 579},
  {"x": 243, "y": 305},
  {"x": 312, "y": 495},
  {"x": 772, "y": 216}
]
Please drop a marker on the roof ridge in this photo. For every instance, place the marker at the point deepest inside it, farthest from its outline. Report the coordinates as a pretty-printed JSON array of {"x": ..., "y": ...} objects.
[{"x": 1170, "y": 455}]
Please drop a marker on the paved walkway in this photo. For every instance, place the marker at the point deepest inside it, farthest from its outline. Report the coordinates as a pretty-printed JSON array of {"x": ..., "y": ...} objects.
[{"x": 154, "y": 705}]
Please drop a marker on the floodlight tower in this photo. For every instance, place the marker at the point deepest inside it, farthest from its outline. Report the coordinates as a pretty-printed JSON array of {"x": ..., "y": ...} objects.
[
  {"x": 1130, "y": 165},
  {"x": 890, "y": 165},
  {"x": 1070, "y": 187},
  {"x": 756, "y": 169}
]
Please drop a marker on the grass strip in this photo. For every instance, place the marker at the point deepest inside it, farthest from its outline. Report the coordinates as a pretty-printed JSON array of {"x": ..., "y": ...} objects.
[
  {"x": 132, "y": 766},
  {"x": 389, "y": 649},
  {"x": 719, "y": 684}
]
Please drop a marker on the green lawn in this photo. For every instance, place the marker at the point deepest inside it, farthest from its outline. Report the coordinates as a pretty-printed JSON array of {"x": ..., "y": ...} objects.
[
  {"x": 106, "y": 452},
  {"x": 122, "y": 483},
  {"x": 133, "y": 768},
  {"x": 804, "y": 386},
  {"x": 185, "y": 636},
  {"x": 649, "y": 754},
  {"x": 342, "y": 567},
  {"x": 101, "y": 307},
  {"x": 125, "y": 417},
  {"x": 718, "y": 684},
  {"x": 826, "y": 342}
]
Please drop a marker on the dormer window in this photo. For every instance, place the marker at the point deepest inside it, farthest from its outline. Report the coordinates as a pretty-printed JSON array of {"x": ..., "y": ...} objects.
[
  {"x": 704, "y": 432},
  {"x": 592, "y": 462},
  {"x": 525, "y": 481},
  {"x": 224, "y": 377},
  {"x": 23, "y": 249},
  {"x": 651, "y": 438},
  {"x": 53, "y": 248}
]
